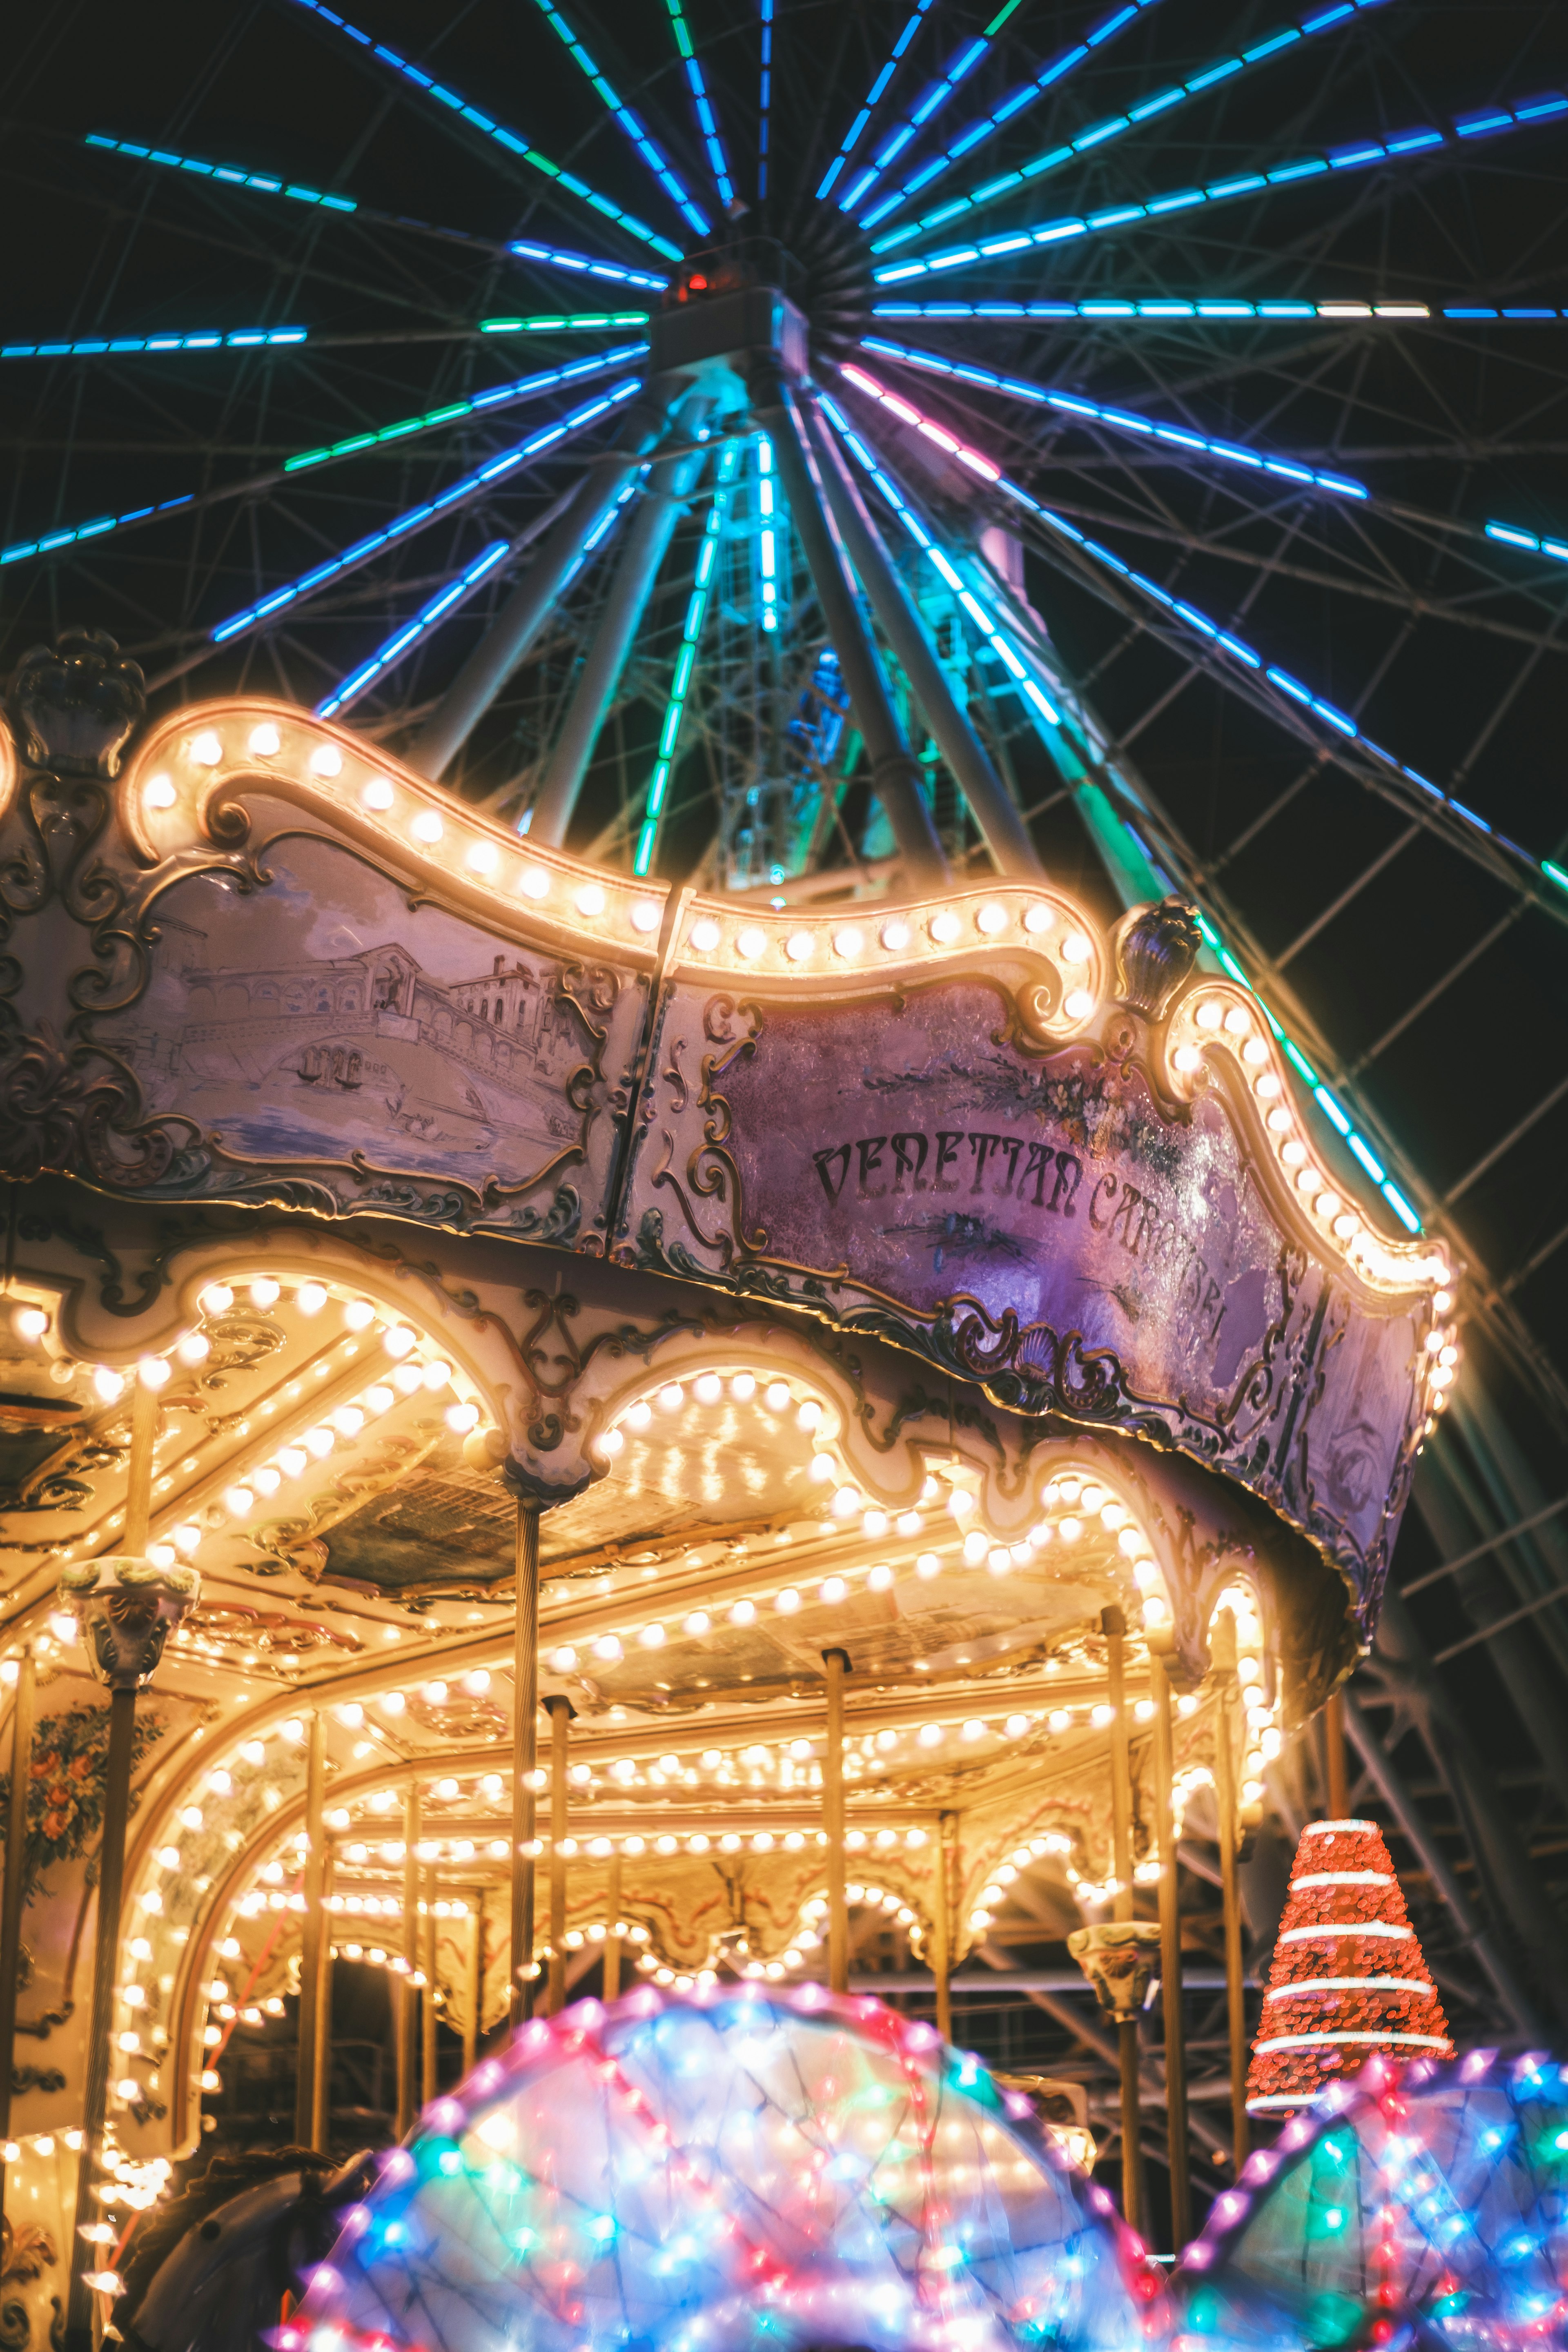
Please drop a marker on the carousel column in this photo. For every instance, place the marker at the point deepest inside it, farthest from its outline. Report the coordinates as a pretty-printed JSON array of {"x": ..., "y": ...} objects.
[
  {"x": 836, "y": 1664},
  {"x": 471, "y": 2030},
  {"x": 22, "y": 1713},
  {"x": 428, "y": 2084},
  {"x": 1113, "y": 1623},
  {"x": 126, "y": 1607},
  {"x": 561, "y": 1711},
  {"x": 1222, "y": 1646},
  {"x": 408, "y": 1996},
  {"x": 311, "y": 1939},
  {"x": 521, "y": 1976},
  {"x": 321, "y": 2047},
  {"x": 1170, "y": 1957},
  {"x": 941, "y": 1925},
  {"x": 612, "y": 1985},
  {"x": 1336, "y": 1780}
]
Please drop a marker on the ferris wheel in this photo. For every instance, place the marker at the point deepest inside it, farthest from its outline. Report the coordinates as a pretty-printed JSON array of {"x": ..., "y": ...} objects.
[{"x": 819, "y": 449}]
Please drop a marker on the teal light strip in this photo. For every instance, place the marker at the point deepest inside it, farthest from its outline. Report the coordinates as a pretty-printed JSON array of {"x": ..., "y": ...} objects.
[{"x": 685, "y": 660}]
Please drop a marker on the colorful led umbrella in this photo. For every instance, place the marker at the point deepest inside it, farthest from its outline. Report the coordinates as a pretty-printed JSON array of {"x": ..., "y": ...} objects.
[
  {"x": 1423, "y": 2206},
  {"x": 724, "y": 2170}
]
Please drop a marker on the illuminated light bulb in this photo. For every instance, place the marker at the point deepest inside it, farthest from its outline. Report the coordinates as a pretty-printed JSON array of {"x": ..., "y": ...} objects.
[
  {"x": 292, "y": 1460},
  {"x": 743, "y": 1388},
  {"x": 1078, "y": 1004},
  {"x": 671, "y": 1397},
  {"x": 1306, "y": 1178},
  {"x": 206, "y": 749},
  {"x": 311, "y": 1297},
  {"x": 1210, "y": 1014},
  {"x": 1280, "y": 1119},
  {"x": 238, "y": 1501},
  {"x": 652, "y": 1637},
  {"x": 750, "y": 943},
  {"x": 29, "y": 1323},
  {"x": 533, "y": 882},
  {"x": 846, "y": 1502},
  {"x": 1292, "y": 1153},
  {"x": 377, "y": 794},
  {"x": 874, "y": 1524},
  {"x": 378, "y": 1400},
  {"x": 110, "y": 1385},
  {"x": 697, "y": 1623},
  {"x": 895, "y": 936},
  {"x": 927, "y": 1566},
  {"x": 639, "y": 1414},
  {"x": 929, "y": 1734},
  {"x": 264, "y": 741},
  {"x": 607, "y": 1649},
  {"x": 483, "y": 857},
  {"x": 436, "y": 1375},
  {"x": 590, "y": 900},
  {"x": 348, "y": 1420},
  {"x": 397, "y": 1340},
  {"x": 704, "y": 935},
  {"x": 1441, "y": 1301},
  {"x": 708, "y": 1387},
  {"x": 1267, "y": 1087},
  {"x": 974, "y": 1729},
  {"x": 326, "y": 760},
  {"x": 848, "y": 942},
  {"x": 358, "y": 1314},
  {"x": 1187, "y": 1058},
  {"x": 879, "y": 1579},
  {"x": 154, "y": 1371},
  {"x": 427, "y": 827},
  {"x": 1326, "y": 1205},
  {"x": 645, "y": 914},
  {"x": 159, "y": 792},
  {"x": 267, "y": 1480},
  {"x": 809, "y": 1417},
  {"x": 1070, "y": 1530},
  {"x": 1059, "y": 1720},
  {"x": 1345, "y": 1226},
  {"x": 945, "y": 927},
  {"x": 319, "y": 1443},
  {"x": 1015, "y": 1725},
  {"x": 563, "y": 1661},
  {"x": 800, "y": 945},
  {"x": 1157, "y": 1610},
  {"x": 832, "y": 1589},
  {"x": 787, "y": 1602},
  {"x": 264, "y": 1292},
  {"x": 434, "y": 1694},
  {"x": 407, "y": 1378},
  {"x": 1237, "y": 1021},
  {"x": 63, "y": 1626},
  {"x": 1254, "y": 1051},
  {"x": 776, "y": 1396},
  {"x": 744, "y": 1613}
]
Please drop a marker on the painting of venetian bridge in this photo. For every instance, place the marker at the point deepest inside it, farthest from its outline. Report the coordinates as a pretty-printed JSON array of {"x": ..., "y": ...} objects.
[{"x": 293, "y": 1026}]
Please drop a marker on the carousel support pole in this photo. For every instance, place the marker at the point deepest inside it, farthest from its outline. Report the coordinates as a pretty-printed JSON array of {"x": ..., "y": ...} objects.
[
  {"x": 613, "y": 1930},
  {"x": 561, "y": 1711},
  {"x": 474, "y": 2026},
  {"x": 1223, "y": 1650},
  {"x": 941, "y": 1925},
  {"x": 1113, "y": 1623},
  {"x": 321, "y": 2051},
  {"x": 836, "y": 1662},
  {"x": 524, "y": 1759},
  {"x": 22, "y": 1713},
  {"x": 1338, "y": 1790},
  {"x": 428, "y": 2083},
  {"x": 1171, "y": 1958},
  {"x": 78, "y": 2326},
  {"x": 311, "y": 1937},
  {"x": 407, "y": 2010}
]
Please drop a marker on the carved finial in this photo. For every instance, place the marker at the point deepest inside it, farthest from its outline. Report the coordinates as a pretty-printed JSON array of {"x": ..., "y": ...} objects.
[
  {"x": 1155, "y": 953},
  {"x": 78, "y": 703}
]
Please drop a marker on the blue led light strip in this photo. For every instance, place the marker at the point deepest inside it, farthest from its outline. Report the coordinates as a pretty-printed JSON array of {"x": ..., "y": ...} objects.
[
  {"x": 1509, "y": 535},
  {"x": 1052, "y": 159},
  {"x": 767, "y": 536},
  {"x": 1014, "y": 104},
  {"x": 1236, "y": 648},
  {"x": 1391, "y": 150},
  {"x": 231, "y": 175},
  {"x": 501, "y": 395},
  {"x": 685, "y": 661},
  {"x": 707, "y": 121},
  {"x": 1121, "y": 421},
  {"x": 354, "y": 684},
  {"x": 636, "y": 131},
  {"x": 236, "y": 339},
  {"x": 473, "y": 485},
  {"x": 1020, "y": 665},
  {"x": 930, "y": 103},
  {"x": 561, "y": 256},
  {"x": 1164, "y": 307},
  {"x": 765, "y": 99},
  {"x": 491, "y": 129},
  {"x": 874, "y": 96}
]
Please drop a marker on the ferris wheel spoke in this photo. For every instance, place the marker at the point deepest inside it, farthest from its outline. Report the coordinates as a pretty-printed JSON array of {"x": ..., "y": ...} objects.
[
  {"x": 413, "y": 519},
  {"x": 929, "y": 105},
  {"x": 1396, "y": 148},
  {"x": 703, "y": 104},
  {"x": 655, "y": 797},
  {"x": 455, "y": 108},
  {"x": 499, "y": 396},
  {"x": 1223, "y": 69},
  {"x": 874, "y": 97},
  {"x": 631, "y": 124},
  {"x": 232, "y": 339}
]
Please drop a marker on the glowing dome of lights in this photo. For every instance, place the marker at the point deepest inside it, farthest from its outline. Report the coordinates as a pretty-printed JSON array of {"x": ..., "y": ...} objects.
[{"x": 727, "y": 2169}]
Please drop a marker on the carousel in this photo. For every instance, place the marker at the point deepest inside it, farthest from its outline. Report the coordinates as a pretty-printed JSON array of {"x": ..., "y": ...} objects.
[{"x": 581, "y": 1438}]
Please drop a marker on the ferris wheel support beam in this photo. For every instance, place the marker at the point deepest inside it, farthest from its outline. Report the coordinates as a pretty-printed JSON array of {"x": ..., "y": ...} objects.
[
  {"x": 515, "y": 626},
  {"x": 671, "y": 482},
  {"x": 991, "y": 804},
  {"x": 894, "y": 770}
]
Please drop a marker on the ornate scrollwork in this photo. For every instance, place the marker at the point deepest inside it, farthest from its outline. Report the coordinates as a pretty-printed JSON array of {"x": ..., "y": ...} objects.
[
  {"x": 57, "y": 1113},
  {"x": 79, "y": 703}
]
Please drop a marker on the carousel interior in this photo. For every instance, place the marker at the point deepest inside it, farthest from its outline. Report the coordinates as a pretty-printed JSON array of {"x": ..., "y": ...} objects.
[{"x": 783, "y": 1416}]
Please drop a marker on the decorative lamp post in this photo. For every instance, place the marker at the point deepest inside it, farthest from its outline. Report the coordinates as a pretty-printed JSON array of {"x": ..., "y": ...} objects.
[{"x": 126, "y": 1607}]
